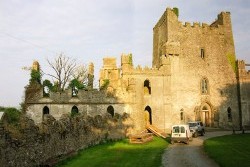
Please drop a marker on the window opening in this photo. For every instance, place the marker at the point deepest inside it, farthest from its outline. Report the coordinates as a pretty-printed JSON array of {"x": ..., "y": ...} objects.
[
  {"x": 182, "y": 116},
  {"x": 147, "y": 88},
  {"x": 74, "y": 91},
  {"x": 202, "y": 53},
  {"x": 204, "y": 86},
  {"x": 74, "y": 111},
  {"x": 46, "y": 91},
  {"x": 229, "y": 114},
  {"x": 111, "y": 111}
]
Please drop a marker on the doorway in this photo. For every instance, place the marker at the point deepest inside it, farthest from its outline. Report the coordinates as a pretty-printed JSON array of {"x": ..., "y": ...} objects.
[
  {"x": 148, "y": 115},
  {"x": 205, "y": 114}
]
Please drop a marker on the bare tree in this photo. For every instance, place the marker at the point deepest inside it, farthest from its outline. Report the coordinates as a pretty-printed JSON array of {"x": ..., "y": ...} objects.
[
  {"x": 81, "y": 73},
  {"x": 65, "y": 69}
]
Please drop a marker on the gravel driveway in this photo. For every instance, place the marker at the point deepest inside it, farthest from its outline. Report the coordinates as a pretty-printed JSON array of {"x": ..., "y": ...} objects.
[{"x": 192, "y": 155}]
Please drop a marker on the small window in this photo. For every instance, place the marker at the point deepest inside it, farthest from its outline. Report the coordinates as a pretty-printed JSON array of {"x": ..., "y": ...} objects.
[
  {"x": 45, "y": 110},
  {"x": 182, "y": 129},
  {"x": 229, "y": 114},
  {"x": 147, "y": 88},
  {"x": 111, "y": 111},
  {"x": 204, "y": 86},
  {"x": 202, "y": 53},
  {"x": 46, "y": 91},
  {"x": 74, "y": 91},
  {"x": 182, "y": 116},
  {"x": 74, "y": 111}
]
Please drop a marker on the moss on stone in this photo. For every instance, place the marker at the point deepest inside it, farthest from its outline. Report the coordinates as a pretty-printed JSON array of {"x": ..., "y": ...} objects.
[
  {"x": 232, "y": 61},
  {"x": 176, "y": 11}
]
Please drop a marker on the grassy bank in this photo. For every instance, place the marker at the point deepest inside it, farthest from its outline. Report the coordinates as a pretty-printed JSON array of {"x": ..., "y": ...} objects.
[
  {"x": 229, "y": 151},
  {"x": 120, "y": 153}
]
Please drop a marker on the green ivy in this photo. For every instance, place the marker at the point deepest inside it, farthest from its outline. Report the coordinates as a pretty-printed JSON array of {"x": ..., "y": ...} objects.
[
  {"x": 12, "y": 114},
  {"x": 176, "y": 11},
  {"x": 130, "y": 60},
  {"x": 35, "y": 76},
  {"x": 105, "y": 84},
  {"x": 232, "y": 61},
  {"x": 76, "y": 83}
]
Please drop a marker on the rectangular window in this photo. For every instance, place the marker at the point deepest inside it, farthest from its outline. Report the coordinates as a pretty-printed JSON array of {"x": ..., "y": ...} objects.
[{"x": 202, "y": 53}]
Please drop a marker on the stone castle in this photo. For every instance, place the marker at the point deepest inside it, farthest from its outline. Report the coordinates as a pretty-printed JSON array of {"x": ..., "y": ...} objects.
[{"x": 194, "y": 76}]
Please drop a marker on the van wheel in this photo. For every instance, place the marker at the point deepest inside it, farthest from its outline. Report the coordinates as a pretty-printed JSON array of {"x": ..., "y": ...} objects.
[
  {"x": 195, "y": 134},
  {"x": 202, "y": 133}
]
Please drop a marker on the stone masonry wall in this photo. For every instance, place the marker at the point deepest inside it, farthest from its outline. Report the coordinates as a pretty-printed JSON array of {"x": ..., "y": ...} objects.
[{"x": 43, "y": 144}]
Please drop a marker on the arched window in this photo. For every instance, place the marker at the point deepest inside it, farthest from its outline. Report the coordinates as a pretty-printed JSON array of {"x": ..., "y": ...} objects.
[
  {"x": 182, "y": 116},
  {"x": 46, "y": 91},
  {"x": 229, "y": 114},
  {"x": 204, "y": 86},
  {"x": 45, "y": 110},
  {"x": 74, "y": 111},
  {"x": 147, "y": 88},
  {"x": 111, "y": 111},
  {"x": 74, "y": 91}
]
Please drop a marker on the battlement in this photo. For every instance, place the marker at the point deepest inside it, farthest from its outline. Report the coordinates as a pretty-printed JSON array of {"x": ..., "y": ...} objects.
[{"x": 223, "y": 18}]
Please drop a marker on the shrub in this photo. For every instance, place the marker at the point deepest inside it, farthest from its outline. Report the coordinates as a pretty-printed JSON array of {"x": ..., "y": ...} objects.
[{"x": 12, "y": 114}]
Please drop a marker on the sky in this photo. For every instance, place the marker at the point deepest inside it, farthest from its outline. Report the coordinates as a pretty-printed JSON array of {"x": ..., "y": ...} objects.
[{"x": 89, "y": 30}]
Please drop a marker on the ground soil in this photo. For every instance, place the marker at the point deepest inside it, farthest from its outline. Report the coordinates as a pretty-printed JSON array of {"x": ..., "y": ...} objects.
[{"x": 192, "y": 154}]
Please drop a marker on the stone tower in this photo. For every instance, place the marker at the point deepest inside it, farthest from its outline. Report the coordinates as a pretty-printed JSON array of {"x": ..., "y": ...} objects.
[{"x": 90, "y": 76}]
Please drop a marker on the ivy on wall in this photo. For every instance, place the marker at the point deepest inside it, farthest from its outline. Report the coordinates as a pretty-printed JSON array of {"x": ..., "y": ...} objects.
[
  {"x": 105, "y": 84},
  {"x": 131, "y": 60},
  {"x": 176, "y": 11},
  {"x": 35, "y": 76},
  {"x": 231, "y": 60}
]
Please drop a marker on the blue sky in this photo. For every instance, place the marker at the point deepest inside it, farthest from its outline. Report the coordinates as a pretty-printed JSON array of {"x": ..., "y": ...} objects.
[{"x": 89, "y": 30}]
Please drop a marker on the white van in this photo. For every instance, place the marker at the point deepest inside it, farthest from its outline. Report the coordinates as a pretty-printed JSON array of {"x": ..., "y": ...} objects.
[{"x": 181, "y": 133}]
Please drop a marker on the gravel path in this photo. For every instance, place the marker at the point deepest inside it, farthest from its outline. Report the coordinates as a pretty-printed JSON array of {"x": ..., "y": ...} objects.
[{"x": 192, "y": 155}]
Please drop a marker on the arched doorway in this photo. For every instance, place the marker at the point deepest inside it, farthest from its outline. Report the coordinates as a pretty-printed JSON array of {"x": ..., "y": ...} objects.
[
  {"x": 205, "y": 114},
  {"x": 111, "y": 111},
  {"x": 148, "y": 115},
  {"x": 45, "y": 111}
]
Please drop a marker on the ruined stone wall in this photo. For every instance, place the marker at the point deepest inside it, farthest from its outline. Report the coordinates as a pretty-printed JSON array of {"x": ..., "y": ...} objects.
[
  {"x": 30, "y": 145},
  {"x": 91, "y": 103}
]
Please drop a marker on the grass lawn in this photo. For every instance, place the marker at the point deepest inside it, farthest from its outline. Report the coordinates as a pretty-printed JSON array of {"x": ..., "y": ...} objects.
[
  {"x": 229, "y": 151},
  {"x": 120, "y": 153}
]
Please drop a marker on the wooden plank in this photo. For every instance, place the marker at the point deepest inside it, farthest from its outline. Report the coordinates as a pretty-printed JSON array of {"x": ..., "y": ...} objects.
[{"x": 156, "y": 131}]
